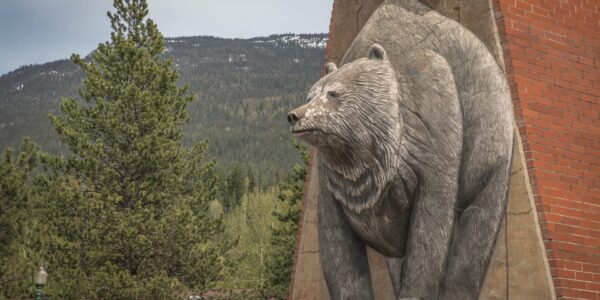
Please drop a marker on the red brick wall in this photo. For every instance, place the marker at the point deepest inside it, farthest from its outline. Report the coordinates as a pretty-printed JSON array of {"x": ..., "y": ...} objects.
[{"x": 552, "y": 54}]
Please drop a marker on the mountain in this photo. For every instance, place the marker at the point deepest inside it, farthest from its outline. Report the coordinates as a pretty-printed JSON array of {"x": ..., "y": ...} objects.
[{"x": 243, "y": 88}]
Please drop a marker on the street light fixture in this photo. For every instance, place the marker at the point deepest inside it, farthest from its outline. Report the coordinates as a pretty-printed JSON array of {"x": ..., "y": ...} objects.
[{"x": 40, "y": 280}]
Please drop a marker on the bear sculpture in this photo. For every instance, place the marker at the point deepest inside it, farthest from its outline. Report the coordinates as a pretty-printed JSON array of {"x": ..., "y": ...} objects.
[{"x": 415, "y": 137}]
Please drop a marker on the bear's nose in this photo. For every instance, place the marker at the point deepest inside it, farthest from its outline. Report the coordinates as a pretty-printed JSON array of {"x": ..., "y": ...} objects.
[
  {"x": 292, "y": 118},
  {"x": 295, "y": 115}
]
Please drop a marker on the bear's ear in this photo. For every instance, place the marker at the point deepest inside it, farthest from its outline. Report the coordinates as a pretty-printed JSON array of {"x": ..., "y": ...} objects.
[
  {"x": 330, "y": 68},
  {"x": 377, "y": 52}
]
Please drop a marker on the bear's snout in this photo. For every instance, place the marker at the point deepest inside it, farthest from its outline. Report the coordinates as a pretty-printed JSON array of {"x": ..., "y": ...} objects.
[{"x": 295, "y": 115}]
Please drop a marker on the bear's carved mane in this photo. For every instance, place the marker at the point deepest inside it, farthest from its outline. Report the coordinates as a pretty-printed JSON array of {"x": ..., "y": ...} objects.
[
  {"x": 361, "y": 186},
  {"x": 359, "y": 173}
]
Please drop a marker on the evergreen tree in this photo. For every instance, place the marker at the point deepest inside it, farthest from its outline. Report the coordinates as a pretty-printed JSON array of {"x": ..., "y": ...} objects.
[
  {"x": 130, "y": 203},
  {"x": 20, "y": 227},
  {"x": 252, "y": 180},
  {"x": 283, "y": 236},
  {"x": 236, "y": 186}
]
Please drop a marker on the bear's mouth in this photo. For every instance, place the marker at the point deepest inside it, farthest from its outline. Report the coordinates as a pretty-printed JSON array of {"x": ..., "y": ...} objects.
[{"x": 303, "y": 130}]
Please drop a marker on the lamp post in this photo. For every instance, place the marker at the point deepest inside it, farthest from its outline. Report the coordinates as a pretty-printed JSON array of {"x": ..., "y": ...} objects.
[{"x": 40, "y": 280}]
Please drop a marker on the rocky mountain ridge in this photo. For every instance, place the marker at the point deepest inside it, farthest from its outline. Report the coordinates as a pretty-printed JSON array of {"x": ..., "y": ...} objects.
[{"x": 243, "y": 87}]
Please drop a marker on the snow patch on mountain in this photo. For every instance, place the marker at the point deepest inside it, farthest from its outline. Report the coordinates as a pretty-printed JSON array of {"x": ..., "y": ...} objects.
[
  {"x": 50, "y": 73},
  {"x": 304, "y": 41}
]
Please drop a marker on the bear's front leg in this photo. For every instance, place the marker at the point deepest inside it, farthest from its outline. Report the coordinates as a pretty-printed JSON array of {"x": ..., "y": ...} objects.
[
  {"x": 429, "y": 239},
  {"x": 433, "y": 139},
  {"x": 343, "y": 254}
]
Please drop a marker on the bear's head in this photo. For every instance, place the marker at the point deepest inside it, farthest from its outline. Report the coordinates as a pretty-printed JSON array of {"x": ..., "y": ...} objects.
[{"x": 353, "y": 108}]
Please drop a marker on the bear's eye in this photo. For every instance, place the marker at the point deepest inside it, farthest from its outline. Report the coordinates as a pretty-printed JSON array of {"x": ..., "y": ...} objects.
[
  {"x": 308, "y": 99},
  {"x": 332, "y": 94}
]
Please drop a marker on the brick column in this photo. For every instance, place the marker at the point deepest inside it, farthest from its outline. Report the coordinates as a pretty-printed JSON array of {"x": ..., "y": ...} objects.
[{"x": 552, "y": 54}]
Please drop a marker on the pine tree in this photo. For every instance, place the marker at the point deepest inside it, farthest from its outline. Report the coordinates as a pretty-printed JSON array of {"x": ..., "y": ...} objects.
[
  {"x": 283, "y": 236},
  {"x": 20, "y": 229},
  {"x": 236, "y": 186},
  {"x": 130, "y": 203}
]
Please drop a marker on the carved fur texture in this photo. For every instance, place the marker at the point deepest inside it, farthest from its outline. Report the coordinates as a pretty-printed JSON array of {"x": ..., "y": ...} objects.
[{"x": 414, "y": 132}]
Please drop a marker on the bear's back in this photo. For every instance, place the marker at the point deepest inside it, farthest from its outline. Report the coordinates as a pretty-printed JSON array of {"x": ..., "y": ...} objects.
[{"x": 404, "y": 27}]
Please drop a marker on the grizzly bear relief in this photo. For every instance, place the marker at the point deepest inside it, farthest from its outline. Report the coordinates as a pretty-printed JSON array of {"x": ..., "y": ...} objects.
[{"x": 415, "y": 143}]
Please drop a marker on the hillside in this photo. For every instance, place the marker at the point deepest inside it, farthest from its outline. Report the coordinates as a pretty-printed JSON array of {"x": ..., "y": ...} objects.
[{"x": 243, "y": 88}]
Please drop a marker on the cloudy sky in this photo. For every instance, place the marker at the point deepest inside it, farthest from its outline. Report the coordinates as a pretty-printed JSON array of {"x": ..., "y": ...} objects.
[{"x": 38, "y": 31}]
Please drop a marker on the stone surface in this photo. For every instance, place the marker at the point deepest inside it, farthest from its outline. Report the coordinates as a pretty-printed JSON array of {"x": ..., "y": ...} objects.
[
  {"x": 347, "y": 19},
  {"x": 518, "y": 269},
  {"x": 528, "y": 272},
  {"x": 477, "y": 16},
  {"x": 382, "y": 285},
  {"x": 495, "y": 286},
  {"x": 308, "y": 280}
]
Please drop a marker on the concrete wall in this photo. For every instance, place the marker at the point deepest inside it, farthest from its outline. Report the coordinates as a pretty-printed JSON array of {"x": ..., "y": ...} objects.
[{"x": 519, "y": 268}]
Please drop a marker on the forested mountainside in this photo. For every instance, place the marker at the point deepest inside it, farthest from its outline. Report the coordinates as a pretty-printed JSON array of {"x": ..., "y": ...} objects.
[{"x": 243, "y": 88}]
